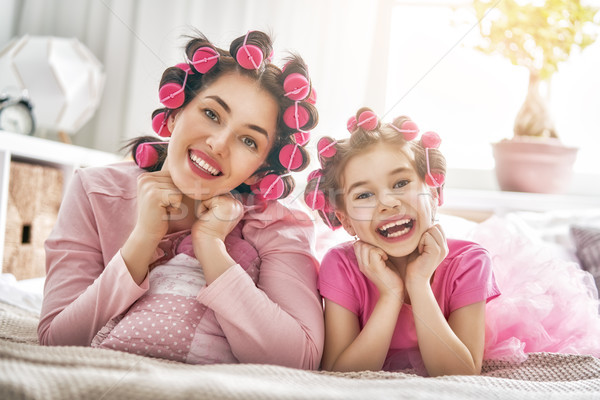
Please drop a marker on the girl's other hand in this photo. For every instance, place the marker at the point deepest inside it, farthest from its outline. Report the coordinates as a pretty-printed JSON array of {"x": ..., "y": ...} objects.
[
  {"x": 373, "y": 263},
  {"x": 428, "y": 255}
]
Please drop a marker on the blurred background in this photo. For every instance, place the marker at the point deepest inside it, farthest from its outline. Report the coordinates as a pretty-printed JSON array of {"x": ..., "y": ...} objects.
[{"x": 417, "y": 58}]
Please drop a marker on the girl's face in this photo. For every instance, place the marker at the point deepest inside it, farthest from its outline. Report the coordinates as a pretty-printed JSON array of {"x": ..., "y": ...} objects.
[
  {"x": 221, "y": 137},
  {"x": 386, "y": 203}
]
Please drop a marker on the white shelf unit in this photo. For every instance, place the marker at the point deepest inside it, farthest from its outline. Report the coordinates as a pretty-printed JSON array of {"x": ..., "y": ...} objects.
[
  {"x": 480, "y": 204},
  {"x": 34, "y": 150}
]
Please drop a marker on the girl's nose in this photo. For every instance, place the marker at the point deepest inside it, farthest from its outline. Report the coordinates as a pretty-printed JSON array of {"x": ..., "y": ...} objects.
[{"x": 388, "y": 201}]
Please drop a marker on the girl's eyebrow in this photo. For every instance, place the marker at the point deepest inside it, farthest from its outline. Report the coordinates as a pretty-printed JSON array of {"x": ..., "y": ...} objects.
[
  {"x": 227, "y": 109},
  {"x": 393, "y": 172}
]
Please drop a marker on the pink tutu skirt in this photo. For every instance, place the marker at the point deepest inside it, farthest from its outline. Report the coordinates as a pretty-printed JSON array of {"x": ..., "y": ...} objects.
[{"x": 548, "y": 304}]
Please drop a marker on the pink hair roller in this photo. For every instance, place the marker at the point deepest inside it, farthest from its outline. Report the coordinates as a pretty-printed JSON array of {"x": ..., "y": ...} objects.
[
  {"x": 431, "y": 140},
  {"x": 290, "y": 157},
  {"x": 185, "y": 67},
  {"x": 314, "y": 174},
  {"x": 351, "y": 124},
  {"x": 204, "y": 59},
  {"x": 296, "y": 116},
  {"x": 326, "y": 147},
  {"x": 302, "y": 138},
  {"x": 172, "y": 94},
  {"x": 435, "y": 179},
  {"x": 409, "y": 129},
  {"x": 367, "y": 120},
  {"x": 249, "y": 56},
  {"x": 271, "y": 187},
  {"x": 312, "y": 97},
  {"x": 159, "y": 125},
  {"x": 146, "y": 155},
  {"x": 296, "y": 86},
  {"x": 315, "y": 200}
]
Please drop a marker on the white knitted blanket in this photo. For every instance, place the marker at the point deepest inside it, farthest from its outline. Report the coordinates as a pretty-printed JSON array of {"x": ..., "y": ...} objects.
[{"x": 31, "y": 371}]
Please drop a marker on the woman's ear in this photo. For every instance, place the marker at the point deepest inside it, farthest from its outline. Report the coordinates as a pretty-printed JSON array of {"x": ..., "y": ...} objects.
[
  {"x": 171, "y": 120},
  {"x": 346, "y": 222},
  {"x": 254, "y": 179}
]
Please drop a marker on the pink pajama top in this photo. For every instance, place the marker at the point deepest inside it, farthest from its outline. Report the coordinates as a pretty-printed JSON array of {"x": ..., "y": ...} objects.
[
  {"x": 464, "y": 277},
  {"x": 272, "y": 315}
]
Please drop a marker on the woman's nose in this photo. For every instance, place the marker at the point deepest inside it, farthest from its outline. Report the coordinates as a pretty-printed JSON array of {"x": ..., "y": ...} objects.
[{"x": 219, "y": 141}]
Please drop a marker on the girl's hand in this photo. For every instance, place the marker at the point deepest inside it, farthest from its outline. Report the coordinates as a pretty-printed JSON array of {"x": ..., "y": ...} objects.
[
  {"x": 217, "y": 217},
  {"x": 158, "y": 197},
  {"x": 428, "y": 255},
  {"x": 372, "y": 262}
]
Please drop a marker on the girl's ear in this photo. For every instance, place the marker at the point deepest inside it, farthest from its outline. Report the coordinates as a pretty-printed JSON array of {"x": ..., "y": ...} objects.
[{"x": 346, "y": 223}]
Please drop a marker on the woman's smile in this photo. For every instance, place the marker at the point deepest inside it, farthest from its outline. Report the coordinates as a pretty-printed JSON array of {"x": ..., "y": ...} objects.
[{"x": 202, "y": 165}]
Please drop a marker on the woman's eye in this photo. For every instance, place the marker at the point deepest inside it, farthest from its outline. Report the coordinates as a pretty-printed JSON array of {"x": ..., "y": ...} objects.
[
  {"x": 401, "y": 184},
  {"x": 364, "y": 195},
  {"x": 249, "y": 142},
  {"x": 210, "y": 114}
]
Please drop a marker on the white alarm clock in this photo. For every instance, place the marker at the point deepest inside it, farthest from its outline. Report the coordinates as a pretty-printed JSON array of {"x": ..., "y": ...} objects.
[{"x": 16, "y": 114}]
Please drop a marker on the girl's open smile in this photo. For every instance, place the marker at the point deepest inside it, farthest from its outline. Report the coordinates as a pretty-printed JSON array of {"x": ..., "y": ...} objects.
[{"x": 397, "y": 230}]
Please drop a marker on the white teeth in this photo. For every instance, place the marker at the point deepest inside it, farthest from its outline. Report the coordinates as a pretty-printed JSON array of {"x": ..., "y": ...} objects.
[
  {"x": 203, "y": 164},
  {"x": 399, "y": 222},
  {"x": 399, "y": 233}
]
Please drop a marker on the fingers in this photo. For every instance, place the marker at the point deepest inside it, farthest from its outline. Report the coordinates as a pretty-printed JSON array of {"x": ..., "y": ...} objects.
[
  {"x": 224, "y": 207},
  {"x": 369, "y": 256}
]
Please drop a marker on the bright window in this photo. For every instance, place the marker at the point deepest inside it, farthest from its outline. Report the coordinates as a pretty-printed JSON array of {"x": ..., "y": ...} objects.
[{"x": 470, "y": 98}]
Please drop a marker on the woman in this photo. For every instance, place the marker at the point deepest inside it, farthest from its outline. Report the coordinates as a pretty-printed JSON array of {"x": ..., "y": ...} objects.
[{"x": 237, "y": 125}]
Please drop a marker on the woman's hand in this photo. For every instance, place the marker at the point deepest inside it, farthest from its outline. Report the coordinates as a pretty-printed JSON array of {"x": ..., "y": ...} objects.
[
  {"x": 216, "y": 217},
  {"x": 157, "y": 197},
  {"x": 373, "y": 263},
  {"x": 428, "y": 255}
]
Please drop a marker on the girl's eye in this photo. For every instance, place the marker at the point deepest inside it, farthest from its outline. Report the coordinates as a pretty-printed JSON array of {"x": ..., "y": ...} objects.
[
  {"x": 364, "y": 195},
  {"x": 401, "y": 184},
  {"x": 249, "y": 142},
  {"x": 210, "y": 114}
]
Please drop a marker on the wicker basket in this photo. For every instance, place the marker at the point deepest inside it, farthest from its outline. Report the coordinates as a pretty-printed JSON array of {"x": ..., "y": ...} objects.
[{"x": 34, "y": 197}]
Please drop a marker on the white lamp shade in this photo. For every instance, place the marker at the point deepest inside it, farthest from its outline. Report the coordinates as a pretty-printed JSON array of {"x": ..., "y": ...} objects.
[{"x": 63, "y": 78}]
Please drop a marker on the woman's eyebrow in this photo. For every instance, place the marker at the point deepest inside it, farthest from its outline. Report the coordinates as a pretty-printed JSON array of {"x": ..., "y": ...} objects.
[
  {"x": 221, "y": 102},
  {"x": 225, "y": 106}
]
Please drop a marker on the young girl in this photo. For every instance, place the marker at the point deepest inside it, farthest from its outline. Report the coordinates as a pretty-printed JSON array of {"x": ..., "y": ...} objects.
[
  {"x": 401, "y": 295},
  {"x": 235, "y": 279}
]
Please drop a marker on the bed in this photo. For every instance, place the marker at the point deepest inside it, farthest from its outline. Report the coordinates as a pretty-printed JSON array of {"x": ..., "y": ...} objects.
[{"x": 31, "y": 371}]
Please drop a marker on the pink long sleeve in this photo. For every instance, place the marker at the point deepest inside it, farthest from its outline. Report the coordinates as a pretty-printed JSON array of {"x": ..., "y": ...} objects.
[
  {"x": 87, "y": 282},
  {"x": 279, "y": 320}
]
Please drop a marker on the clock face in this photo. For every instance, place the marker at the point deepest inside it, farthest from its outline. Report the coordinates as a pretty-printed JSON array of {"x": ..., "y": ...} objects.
[{"x": 17, "y": 118}]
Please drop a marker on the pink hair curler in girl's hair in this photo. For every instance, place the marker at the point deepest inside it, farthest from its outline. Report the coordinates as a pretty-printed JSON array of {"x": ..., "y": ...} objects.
[
  {"x": 367, "y": 120},
  {"x": 431, "y": 140}
]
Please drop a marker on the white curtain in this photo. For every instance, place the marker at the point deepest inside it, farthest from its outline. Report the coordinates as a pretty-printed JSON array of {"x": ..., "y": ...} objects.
[{"x": 344, "y": 42}]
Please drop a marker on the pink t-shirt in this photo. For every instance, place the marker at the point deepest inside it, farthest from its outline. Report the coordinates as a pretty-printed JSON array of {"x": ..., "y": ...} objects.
[{"x": 464, "y": 277}]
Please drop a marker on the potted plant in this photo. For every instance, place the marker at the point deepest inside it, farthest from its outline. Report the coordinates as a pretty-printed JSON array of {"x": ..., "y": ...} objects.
[{"x": 539, "y": 36}]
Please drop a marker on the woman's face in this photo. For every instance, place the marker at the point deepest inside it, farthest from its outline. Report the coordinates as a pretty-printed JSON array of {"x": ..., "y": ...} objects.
[
  {"x": 221, "y": 137},
  {"x": 387, "y": 206}
]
